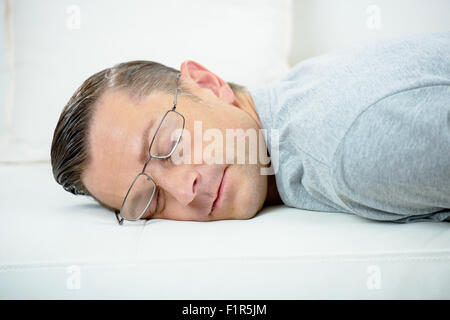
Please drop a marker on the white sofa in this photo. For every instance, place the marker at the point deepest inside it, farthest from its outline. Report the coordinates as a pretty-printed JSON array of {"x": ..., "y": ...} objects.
[{"x": 59, "y": 246}]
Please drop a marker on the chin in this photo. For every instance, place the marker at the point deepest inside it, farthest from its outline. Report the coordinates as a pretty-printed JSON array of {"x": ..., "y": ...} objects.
[
  {"x": 249, "y": 194},
  {"x": 242, "y": 214},
  {"x": 251, "y": 210},
  {"x": 248, "y": 216}
]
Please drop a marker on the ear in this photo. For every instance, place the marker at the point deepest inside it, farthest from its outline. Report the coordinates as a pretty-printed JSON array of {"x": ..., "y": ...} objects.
[{"x": 200, "y": 77}]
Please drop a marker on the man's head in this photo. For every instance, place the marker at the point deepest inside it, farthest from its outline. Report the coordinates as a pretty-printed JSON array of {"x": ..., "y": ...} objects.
[{"x": 102, "y": 138}]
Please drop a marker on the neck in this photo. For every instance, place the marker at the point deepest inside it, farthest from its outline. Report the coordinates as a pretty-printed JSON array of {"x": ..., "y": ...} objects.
[
  {"x": 273, "y": 197},
  {"x": 245, "y": 101}
]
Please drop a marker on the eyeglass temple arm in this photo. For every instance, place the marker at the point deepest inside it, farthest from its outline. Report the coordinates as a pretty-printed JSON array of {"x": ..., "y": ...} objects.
[{"x": 176, "y": 94}]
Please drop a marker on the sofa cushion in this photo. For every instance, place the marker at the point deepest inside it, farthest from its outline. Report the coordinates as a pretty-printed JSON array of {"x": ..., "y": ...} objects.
[{"x": 57, "y": 245}]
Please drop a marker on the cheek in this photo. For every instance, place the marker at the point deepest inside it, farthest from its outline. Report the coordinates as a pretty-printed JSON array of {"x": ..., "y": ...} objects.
[
  {"x": 222, "y": 117},
  {"x": 250, "y": 192}
]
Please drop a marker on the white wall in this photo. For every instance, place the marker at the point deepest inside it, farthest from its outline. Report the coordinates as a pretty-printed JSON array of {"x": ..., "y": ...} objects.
[{"x": 324, "y": 25}]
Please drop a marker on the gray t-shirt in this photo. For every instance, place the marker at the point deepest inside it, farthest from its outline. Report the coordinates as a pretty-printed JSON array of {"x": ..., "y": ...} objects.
[{"x": 365, "y": 130}]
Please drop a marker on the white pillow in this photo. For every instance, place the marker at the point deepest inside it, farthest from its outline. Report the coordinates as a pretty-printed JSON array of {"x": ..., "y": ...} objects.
[{"x": 60, "y": 43}]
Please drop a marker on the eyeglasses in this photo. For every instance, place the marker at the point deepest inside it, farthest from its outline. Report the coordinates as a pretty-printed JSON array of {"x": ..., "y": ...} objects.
[{"x": 164, "y": 142}]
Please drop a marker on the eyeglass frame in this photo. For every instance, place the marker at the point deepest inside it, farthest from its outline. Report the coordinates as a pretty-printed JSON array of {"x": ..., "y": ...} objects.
[{"x": 118, "y": 214}]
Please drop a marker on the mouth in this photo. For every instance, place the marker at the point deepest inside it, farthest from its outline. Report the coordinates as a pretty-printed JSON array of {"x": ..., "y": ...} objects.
[{"x": 219, "y": 192}]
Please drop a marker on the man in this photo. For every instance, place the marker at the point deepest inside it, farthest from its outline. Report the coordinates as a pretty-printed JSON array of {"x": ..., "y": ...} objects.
[{"x": 364, "y": 131}]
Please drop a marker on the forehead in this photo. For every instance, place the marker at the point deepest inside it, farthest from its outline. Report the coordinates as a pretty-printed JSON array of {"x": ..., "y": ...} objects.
[{"x": 115, "y": 144}]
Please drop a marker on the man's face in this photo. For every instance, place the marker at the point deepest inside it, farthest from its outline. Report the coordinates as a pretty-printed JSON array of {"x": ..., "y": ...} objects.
[{"x": 187, "y": 190}]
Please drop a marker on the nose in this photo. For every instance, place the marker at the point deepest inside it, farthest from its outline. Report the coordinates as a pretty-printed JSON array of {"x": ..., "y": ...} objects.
[{"x": 180, "y": 181}]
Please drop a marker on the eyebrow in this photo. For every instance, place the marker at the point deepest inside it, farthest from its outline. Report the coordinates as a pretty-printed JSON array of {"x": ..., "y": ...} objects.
[{"x": 145, "y": 142}]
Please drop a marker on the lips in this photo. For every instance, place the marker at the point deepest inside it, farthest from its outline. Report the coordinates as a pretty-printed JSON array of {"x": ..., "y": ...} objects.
[{"x": 219, "y": 191}]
